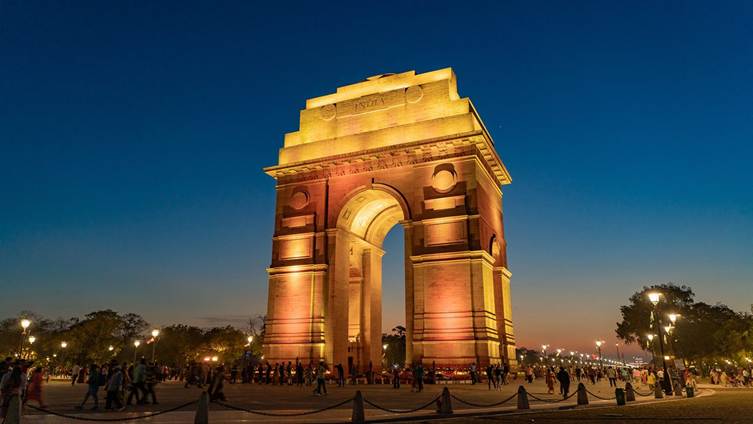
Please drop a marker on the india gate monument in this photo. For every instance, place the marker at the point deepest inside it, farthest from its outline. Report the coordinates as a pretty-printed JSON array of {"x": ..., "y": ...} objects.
[{"x": 399, "y": 149}]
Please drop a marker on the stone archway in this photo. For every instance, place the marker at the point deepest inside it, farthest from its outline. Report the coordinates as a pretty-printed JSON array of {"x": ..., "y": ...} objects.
[{"x": 398, "y": 149}]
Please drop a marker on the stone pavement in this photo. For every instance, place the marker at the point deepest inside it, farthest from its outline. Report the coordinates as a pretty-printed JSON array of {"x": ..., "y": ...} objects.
[{"x": 62, "y": 398}]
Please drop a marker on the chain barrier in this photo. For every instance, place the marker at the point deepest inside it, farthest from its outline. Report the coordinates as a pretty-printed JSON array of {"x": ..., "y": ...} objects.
[
  {"x": 531, "y": 395},
  {"x": 402, "y": 411},
  {"x": 283, "y": 414},
  {"x": 642, "y": 394},
  {"x": 81, "y": 418},
  {"x": 599, "y": 397},
  {"x": 479, "y": 405}
]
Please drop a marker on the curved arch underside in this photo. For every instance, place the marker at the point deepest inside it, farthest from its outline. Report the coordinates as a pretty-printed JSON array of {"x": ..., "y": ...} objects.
[{"x": 370, "y": 215}]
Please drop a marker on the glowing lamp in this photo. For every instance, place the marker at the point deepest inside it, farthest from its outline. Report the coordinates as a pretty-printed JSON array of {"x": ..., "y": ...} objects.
[
  {"x": 155, "y": 333},
  {"x": 63, "y": 345},
  {"x": 110, "y": 348},
  {"x": 654, "y": 297},
  {"x": 32, "y": 339},
  {"x": 137, "y": 343},
  {"x": 673, "y": 317},
  {"x": 25, "y": 323}
]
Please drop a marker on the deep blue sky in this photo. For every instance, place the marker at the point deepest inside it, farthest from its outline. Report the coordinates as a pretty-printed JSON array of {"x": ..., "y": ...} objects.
[{"x": 133, "y": 134}]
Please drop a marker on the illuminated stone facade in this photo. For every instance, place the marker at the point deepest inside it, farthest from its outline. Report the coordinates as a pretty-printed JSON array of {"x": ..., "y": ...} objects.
[{"x": 395, "y": 149}]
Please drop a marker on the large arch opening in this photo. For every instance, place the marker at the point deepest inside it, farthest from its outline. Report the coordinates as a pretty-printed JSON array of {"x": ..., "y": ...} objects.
[{"x": 366, "y": 219}]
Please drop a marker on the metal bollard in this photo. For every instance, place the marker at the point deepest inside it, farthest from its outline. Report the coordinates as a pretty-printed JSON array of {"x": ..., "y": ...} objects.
[
  {"x": 359, "y": 415},
  {"x": 13, "y": 414},
  {"x": 658, "y": 394},
  {"x": 689, "y": 391},
  {"x": 444, "y": 403},
  {"x": 523, "y": 398},
  {"x": 629, "y": 392},
  {"x": 582, "y": 395},
  {"x": 619, "y": 395},
  {"x": 202, "y": 409}
]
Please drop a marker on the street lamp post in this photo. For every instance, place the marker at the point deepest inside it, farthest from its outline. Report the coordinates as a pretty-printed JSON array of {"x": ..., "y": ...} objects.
[
  {"x": 650, "y": 338},
  {"x": 25, "y": 323},
  {"x": 155, "y": 333},
  {"x": 598, "y": 347},
  {"x": 654, "y": 298},
  {"x": 136, "y": 344},
  {"x": 617, "y": 345}
]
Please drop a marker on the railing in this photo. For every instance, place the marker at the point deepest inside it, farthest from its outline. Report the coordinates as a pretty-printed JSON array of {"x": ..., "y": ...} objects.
[{"x": 442, "y": 402}]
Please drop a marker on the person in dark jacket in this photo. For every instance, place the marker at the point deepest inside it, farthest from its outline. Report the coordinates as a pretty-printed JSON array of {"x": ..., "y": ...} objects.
[{"x": 564, "y": 378}]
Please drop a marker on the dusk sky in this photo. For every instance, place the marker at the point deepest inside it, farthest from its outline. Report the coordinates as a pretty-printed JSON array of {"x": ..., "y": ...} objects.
[{"x": 133, "y": 137}]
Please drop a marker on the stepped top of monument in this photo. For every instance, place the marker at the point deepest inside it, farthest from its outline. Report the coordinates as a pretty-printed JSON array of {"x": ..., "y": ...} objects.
[
  {"x": 384, "y": 113},
  {"x": 383, "y": 83}
]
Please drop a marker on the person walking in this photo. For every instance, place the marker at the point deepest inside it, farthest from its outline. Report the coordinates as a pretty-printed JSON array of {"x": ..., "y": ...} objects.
[
  {"x": 93, "y": 383},
  {"x": 34, "y": 391},
  {"x": 150, "y": 381},
  {"x": 138, "y": 383},
  {"x": 490, "y": 376},
  {"x": 114, "y": 383},
  {"x": 217, "y": 387},
  {"x": 299, "y": 373},
  {"x": 340, "y": 375},
  {"x": 12, "y": 385},
  {"x": 564, "y": 378},
  {"x": 74, "y": 374},
  {"x": 612, "y": 376},
  {"x": 550, "y": 380},
  {"x": 321, "y": 384},
  {"x": 419, "y": 376}
]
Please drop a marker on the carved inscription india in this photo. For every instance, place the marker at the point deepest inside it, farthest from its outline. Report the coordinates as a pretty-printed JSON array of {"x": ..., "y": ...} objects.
[{"x": 371, "y": 103}]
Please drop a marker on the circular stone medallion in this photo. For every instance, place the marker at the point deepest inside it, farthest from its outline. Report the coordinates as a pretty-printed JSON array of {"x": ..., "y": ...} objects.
[
  {"x": 414, "y": 93},
  {"x": 299, "y": 200},
  {"x": 443, "y": 181},
  {"x": 327, "y": 112}
]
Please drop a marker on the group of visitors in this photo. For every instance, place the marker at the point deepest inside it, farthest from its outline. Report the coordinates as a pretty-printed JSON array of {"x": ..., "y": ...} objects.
[
  {"x": 19, "y": 379},
  {"x": 133, "y": 383},
  {"x": 732, "y": 377}
]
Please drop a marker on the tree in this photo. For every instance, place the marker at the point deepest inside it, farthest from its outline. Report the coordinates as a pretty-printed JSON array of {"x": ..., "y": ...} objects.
[
  {"x": 704, "y": 333},
  {"x": 636, "y": 317},
  {"x": 179, "y": 344},
  {"x": 395, "y": 352}
]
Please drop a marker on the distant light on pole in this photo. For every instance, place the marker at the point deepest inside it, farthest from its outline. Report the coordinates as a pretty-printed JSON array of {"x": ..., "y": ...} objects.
[
  {"x": 673, "y": 317},
  {"x": 32, "y": 339},
  {"x": 137, "y": 343},
  {"x": 384, "y": 346},
  {"x": 155, "y": 333},
  {"x": 250, "y": 339},
  {"x": 25, "y": 323},
  {"x": 63, "y": 345},
  {"x": 110, "y": 348},
  {"x": 654, "y": 297}
]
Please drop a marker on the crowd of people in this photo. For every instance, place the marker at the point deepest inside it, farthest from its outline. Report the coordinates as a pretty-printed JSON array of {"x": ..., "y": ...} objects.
[
  {"x": 124, "y": 384},
  {"x": 732, "y": 377}
]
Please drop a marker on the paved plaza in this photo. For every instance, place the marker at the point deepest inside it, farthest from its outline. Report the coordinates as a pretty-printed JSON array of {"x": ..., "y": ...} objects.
[
  {"x": 63, "y": 398},
  {"x": 724, "y": 406}
]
